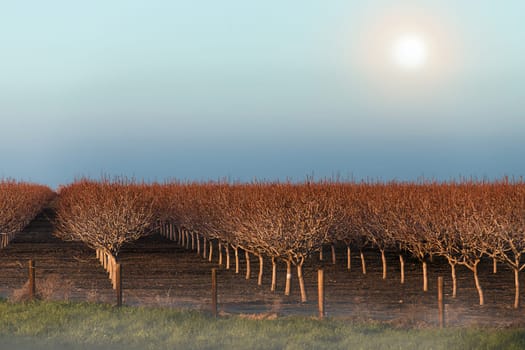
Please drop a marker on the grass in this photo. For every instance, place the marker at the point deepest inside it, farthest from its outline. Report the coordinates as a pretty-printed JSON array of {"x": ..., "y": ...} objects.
[{"x": 58, "y": 325}]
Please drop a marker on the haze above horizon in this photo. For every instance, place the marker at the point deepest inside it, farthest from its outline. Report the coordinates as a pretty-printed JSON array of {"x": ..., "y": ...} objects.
[{"x": 270, "y": 90}]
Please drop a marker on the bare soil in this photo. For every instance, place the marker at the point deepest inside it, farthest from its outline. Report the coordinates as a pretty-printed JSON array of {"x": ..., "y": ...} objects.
[{"x": 158, "y": 272}]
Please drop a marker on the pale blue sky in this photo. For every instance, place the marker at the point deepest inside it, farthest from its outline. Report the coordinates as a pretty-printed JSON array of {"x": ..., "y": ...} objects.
[{"x": 268, "y": 89}]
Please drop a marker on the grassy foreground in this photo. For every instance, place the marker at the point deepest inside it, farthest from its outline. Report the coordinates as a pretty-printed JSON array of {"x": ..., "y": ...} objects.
[{"x": 53, "y": 325}]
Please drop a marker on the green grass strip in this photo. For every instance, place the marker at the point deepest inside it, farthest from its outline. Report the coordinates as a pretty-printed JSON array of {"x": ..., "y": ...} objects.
[{"x": 55, "y": 325}]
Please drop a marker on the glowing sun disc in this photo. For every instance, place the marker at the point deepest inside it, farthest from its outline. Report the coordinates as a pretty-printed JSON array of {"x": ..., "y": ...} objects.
[{"x": 409, "y": 51}]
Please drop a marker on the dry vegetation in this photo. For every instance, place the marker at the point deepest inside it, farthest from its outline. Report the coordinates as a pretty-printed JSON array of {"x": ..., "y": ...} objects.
[
  {"x": 104, "y": 214},
  {"x": 20, "y": 202},
  {"x": 288, "y": 223}
]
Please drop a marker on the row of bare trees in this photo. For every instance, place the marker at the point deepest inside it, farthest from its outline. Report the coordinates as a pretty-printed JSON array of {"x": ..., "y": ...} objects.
[
  {"x": 459, "y": 221},
  {"x": 280, "y": 221},
  {"x": 462, "y": 222},
  {"x": 20, "y": 202}
]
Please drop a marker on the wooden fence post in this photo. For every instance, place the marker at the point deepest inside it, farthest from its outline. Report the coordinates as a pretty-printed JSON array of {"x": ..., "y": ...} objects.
[
  {"x": 320, "y": 292},
  {"x": 32, "y": 286},
  {"x": 214, "y": 292},
  {"x": 441, "y": 309},
  {"x": 118, "y": 283}
]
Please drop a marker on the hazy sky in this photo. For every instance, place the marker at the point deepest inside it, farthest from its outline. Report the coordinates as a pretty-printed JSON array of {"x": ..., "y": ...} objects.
[{"x": 267, "y": 89}]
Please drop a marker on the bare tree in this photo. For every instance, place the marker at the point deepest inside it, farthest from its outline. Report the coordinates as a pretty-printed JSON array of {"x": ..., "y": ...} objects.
[
  {"x": 505, "y": 213},
  {"x": 20, "y": 202},
  {"x": 105, "y": 214}
]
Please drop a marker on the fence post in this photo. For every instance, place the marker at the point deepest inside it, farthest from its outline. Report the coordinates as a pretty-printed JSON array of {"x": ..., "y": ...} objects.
[
  {"x": 441, "y": 309},
  {"x": 118, "y": 283},
  {"x": 214, "y": 292},
  {"x": 32, "y": 286},
  {"x": 320, "y": 292}
]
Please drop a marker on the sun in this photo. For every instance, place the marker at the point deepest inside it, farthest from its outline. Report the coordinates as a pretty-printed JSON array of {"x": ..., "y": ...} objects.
[{"x": 409, "y": 51}]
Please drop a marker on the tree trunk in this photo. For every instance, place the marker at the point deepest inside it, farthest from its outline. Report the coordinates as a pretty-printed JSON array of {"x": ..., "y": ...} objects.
[
  {"x": 321, "y": 253},
  {"x": 383, "y": 260},
  {"x": 204, "y": 248},
  {"x": 494, "y": 265},
  {"x": 198, "y": 244},
  {"x": 454, "y": 279},
  {"x": 425, "y": 276},
  {"x": 478, "y": 286},
  {"x": 402, "y": 267},
  {"x": 334, "y": 261},
  {"x": 227, "y": 256},
  {"x": 192, "y": 240},
  {"x": 187, "y": 234},
  {"x": 220, "y": 253},
  {"x": 248, "y": 270},
  {"x": 274, "y": 275},
  {"x": 363, "y": 264},
  {"x": 259, "y": 278},
  {"x": 210, "y": 253},
  {"x": 288, "y": 277},
  {"x": 301, "y": 281},
  {"x": 348, "y": 256},
  {"x": 236, "y": 249},
  {"x": 517, "y": 285}
]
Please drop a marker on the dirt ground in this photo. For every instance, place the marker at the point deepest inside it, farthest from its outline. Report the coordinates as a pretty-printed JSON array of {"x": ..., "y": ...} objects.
[{"x": 157, "y": 272}]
